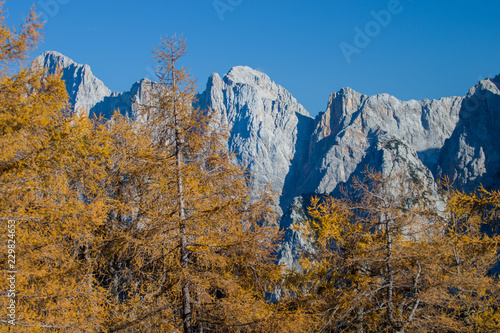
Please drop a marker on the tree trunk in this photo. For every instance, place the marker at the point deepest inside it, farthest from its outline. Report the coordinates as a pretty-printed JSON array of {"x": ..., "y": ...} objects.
[
  {"x": 184, "y": 260},
  {"x": 359, "y": 320},
  {"x": 390, "y": 275},
  {"x": 186, "y": 298}
]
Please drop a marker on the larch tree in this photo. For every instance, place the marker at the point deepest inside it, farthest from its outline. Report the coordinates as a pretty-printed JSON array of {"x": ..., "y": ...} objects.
[
  {"x": 50, "y": 183},
  {"x": 386, "y": 259},
  {"x": 465, "y": 292},
  {"x": 189, "y": 249}
]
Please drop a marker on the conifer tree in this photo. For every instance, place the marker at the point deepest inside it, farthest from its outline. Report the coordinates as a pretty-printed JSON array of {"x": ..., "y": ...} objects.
[
  {"x": 190, "y": 250},
  {"x": 465, "y": 291},
  {"x": 385, "y": 259},
  {"x": 50, "y": 185}
]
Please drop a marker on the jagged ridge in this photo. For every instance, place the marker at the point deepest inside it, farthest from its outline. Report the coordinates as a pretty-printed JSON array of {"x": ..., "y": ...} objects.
[{"x": 282, "y": 145}]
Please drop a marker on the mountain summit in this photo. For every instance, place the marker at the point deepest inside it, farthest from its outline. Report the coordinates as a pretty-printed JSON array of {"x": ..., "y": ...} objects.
[{"x": 84, "y": 89}]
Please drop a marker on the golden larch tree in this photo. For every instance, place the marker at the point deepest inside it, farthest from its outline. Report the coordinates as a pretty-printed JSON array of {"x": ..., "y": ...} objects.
[
  {"x": 386, "y": 259},
  {"x": 189, "y": 249},
  {"x": 51, "y": 168}
]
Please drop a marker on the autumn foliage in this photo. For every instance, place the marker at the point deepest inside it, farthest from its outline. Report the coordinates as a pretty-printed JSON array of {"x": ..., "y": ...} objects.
[
  {"x": 385, "y": 258},
  {"x": 148, "y": 226}
]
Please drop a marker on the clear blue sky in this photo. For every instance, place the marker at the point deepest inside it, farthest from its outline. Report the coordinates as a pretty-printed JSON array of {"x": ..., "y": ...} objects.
[{"x": 422, "y": 49}]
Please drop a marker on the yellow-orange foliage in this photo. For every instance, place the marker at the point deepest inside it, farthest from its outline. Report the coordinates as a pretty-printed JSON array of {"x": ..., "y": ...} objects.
[
  {"x": 385, "y": 259},
  {"x": 50, "y": 170}
]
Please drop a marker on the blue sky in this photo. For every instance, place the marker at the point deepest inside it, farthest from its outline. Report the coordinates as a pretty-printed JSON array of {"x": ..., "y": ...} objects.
[{"x": 412, "y": 49}]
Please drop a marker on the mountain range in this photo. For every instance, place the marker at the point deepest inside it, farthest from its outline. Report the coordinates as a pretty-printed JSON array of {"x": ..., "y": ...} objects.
[{"x": 281, "y": 144}]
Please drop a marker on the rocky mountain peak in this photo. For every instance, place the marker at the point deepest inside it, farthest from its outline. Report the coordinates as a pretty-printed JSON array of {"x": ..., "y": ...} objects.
[
  {"x": 266, "y": 123},
  {"x": 214, "y": 80},
  {"x": 471, "y": 156},
  {"x": 53, "y": 59},
  {"x": 247, "y": 75},
  {"x": 488, "y": 84},
  {"x": 84, "y": 89}
]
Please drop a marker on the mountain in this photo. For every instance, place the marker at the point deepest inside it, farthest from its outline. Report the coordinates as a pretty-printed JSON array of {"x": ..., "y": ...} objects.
[
  {"x": 280, "y": 144},
  {"x": 84, "y": 89},
  {"x": 269, "y": 128},
  {"x": 471, "y": 156},
  {"x": 87, "y": 93}
]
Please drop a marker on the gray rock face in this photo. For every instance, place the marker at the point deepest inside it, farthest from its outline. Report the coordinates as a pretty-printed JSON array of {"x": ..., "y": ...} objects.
[
  {"x": 125, "y": 102},
  {"x": 84, "y": 89},
  {"x": 472, "y": 154},
  {"x": 294, "y": 240},
  {"x": 282, "y": 145},
  {"x": 88, "y": 94},
  {"x": 269, "y": 128},
  {"x": 387, "y": 154},
  {"x": 379, "y": 131},
  {"x": 353, "y": 121}
]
